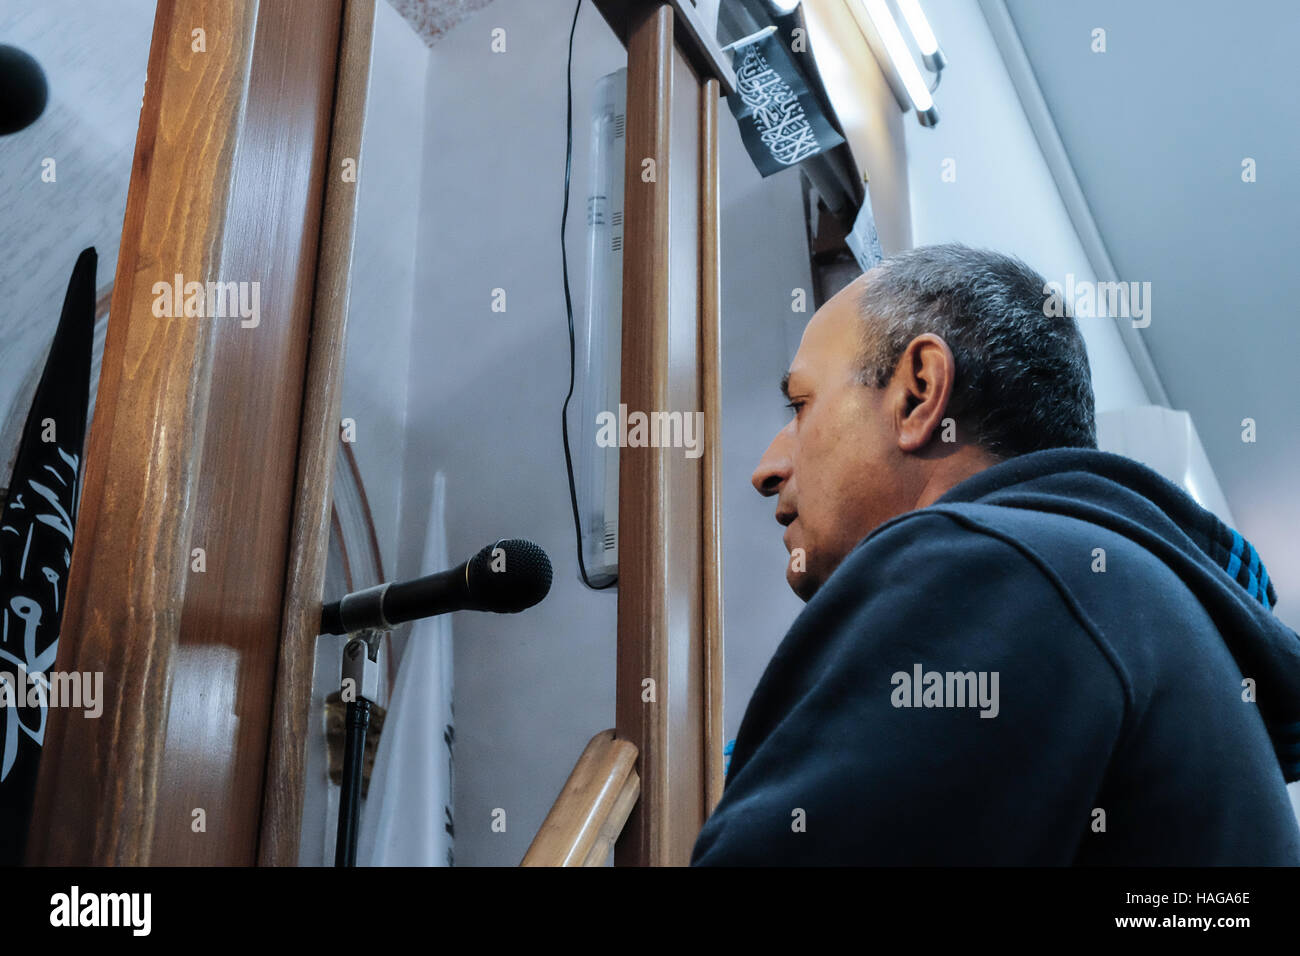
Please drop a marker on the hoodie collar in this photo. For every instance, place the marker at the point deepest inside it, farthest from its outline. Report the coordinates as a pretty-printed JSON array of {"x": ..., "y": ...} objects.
[{"x": 1101, "y": 476}]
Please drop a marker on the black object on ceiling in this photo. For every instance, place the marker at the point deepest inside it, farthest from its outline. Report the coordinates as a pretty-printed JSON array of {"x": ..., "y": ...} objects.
[{"x": 23, "y": 90}]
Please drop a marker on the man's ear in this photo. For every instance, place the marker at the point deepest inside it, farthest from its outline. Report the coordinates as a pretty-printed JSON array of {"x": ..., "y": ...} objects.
[{"x": 926, "y": 372}]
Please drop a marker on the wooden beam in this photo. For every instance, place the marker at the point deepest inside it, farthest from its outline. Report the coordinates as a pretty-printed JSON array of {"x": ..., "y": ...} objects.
[
  {"x": 699, "y": 44},
  {"x": 193, "y": 446},
  {"x": 669, "y": 673},
  {"x": 696, "y": 41},
  {"x": 710, "y": 352},
  {"x": 317, "y": 448},
  {"x": 642, "y": 521}
]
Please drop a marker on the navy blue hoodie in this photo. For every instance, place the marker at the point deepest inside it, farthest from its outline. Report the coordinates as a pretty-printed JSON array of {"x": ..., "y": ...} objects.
[{"x": 1064, "y": 660}]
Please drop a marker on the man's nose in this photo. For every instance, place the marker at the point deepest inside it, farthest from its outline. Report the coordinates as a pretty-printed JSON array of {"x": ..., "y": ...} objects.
[{"x": 774, "y": 468}]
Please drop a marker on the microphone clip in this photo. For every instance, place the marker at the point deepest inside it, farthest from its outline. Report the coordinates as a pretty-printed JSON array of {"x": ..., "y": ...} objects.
[
  {"x": 360, "y": 671},
  {"x": 360, "y": 688}
]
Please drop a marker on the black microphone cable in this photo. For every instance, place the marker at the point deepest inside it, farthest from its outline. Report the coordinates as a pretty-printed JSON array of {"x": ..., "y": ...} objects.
[{"x": 568, "y": 306}]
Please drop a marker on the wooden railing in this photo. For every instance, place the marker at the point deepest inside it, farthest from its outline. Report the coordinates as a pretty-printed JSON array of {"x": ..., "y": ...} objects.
[{"x": 590, "y": 812}]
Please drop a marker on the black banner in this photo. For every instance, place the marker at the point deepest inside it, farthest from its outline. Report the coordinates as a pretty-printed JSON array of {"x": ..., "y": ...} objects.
[
  {"x": 781, "y": 120},
  {"x": 35, "y": 553}
]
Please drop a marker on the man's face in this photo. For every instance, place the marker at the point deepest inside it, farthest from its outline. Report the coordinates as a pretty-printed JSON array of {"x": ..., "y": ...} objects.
[{"x": 836, "y": 468}]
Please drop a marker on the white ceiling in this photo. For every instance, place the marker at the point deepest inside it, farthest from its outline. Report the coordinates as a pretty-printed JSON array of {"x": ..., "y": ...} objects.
[
  {"x": 432, "y": 18},
  {"x": 1156, "y": 128}
]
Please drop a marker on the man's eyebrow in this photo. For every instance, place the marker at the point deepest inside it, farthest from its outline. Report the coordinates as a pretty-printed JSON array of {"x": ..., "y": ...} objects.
[{"x": 785, "y": 386}]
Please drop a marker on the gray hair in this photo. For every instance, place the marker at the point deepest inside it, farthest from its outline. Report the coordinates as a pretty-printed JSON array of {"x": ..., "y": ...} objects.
[{"x": 1023, "y": 382}]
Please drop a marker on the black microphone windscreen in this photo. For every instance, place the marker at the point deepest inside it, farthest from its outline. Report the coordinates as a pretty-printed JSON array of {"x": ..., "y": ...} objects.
[{"x": 509, "y": 575}]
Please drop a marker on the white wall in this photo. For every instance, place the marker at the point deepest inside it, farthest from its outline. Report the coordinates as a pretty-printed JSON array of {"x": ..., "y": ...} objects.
[
  {"x": 1004, "y": 197},
  {"x": 384, "y": 269},
  {"x": 485, "y": 394},
  {"x": 764, "y": 257},
  {"x": 94, "y": 57},
  {"x": 486, "y": 390}
]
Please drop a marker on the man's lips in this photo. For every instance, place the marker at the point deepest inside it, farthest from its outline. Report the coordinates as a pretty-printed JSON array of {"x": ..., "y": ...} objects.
[{"x": 786, "y": 518}]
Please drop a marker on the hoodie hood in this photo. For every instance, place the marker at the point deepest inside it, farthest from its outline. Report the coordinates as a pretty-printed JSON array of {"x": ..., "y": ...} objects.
[{"x": 1219, "y": 566}]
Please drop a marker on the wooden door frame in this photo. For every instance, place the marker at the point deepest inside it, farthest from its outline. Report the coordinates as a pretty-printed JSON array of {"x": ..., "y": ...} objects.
[
  {"x": 286, "y": 765},
  {"x": 198, "y": 442},
  {"x": 238, "y": 166},
  {"x": 670, "y": 554}
]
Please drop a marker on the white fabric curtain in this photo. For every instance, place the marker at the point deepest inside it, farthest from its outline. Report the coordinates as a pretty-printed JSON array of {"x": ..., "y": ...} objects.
[{"x": 406, "y": 817}]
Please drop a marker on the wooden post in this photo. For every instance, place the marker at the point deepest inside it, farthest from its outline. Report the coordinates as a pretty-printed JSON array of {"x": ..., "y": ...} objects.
[
  {"x": 194, "y": 446},
  {"x": 286, "y": 765},
  {"x": 669, "y": 673},
  {"x": 711, "y": 463}
]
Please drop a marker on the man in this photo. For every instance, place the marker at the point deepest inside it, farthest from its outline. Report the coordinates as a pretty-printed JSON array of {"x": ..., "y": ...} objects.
[{"x": 1016, "y": 649}]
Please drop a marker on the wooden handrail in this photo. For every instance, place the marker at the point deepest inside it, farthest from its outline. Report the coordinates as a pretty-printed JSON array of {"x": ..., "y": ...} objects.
[{"x": 590, "y": 811}]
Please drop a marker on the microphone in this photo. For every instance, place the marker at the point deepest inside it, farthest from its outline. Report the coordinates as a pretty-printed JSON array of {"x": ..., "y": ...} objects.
[{"x": 507, "y": 576}]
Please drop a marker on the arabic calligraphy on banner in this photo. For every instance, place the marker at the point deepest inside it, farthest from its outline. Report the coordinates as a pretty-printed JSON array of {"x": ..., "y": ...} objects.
[{"x": 780, "y": 121}]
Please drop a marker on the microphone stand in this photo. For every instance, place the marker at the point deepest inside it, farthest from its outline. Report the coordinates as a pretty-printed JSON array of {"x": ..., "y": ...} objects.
[{"x": 360, "y": 686}]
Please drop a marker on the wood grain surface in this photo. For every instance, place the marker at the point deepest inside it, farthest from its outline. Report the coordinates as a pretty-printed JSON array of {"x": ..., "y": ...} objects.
[
  {"x": 592, "y": 808},
  {"x": 642, "y": 519},
  {"x": 710, "y": 361},
  {"x": 194, "y": 445},
  {"x": 317, "y": 449}
]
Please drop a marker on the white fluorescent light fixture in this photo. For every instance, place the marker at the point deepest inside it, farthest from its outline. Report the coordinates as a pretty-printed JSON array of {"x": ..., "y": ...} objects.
[
  {"x": 602, "y": 330},
  {"x": 900, "y": 57},
  {"x": 931, "y": 55}
]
